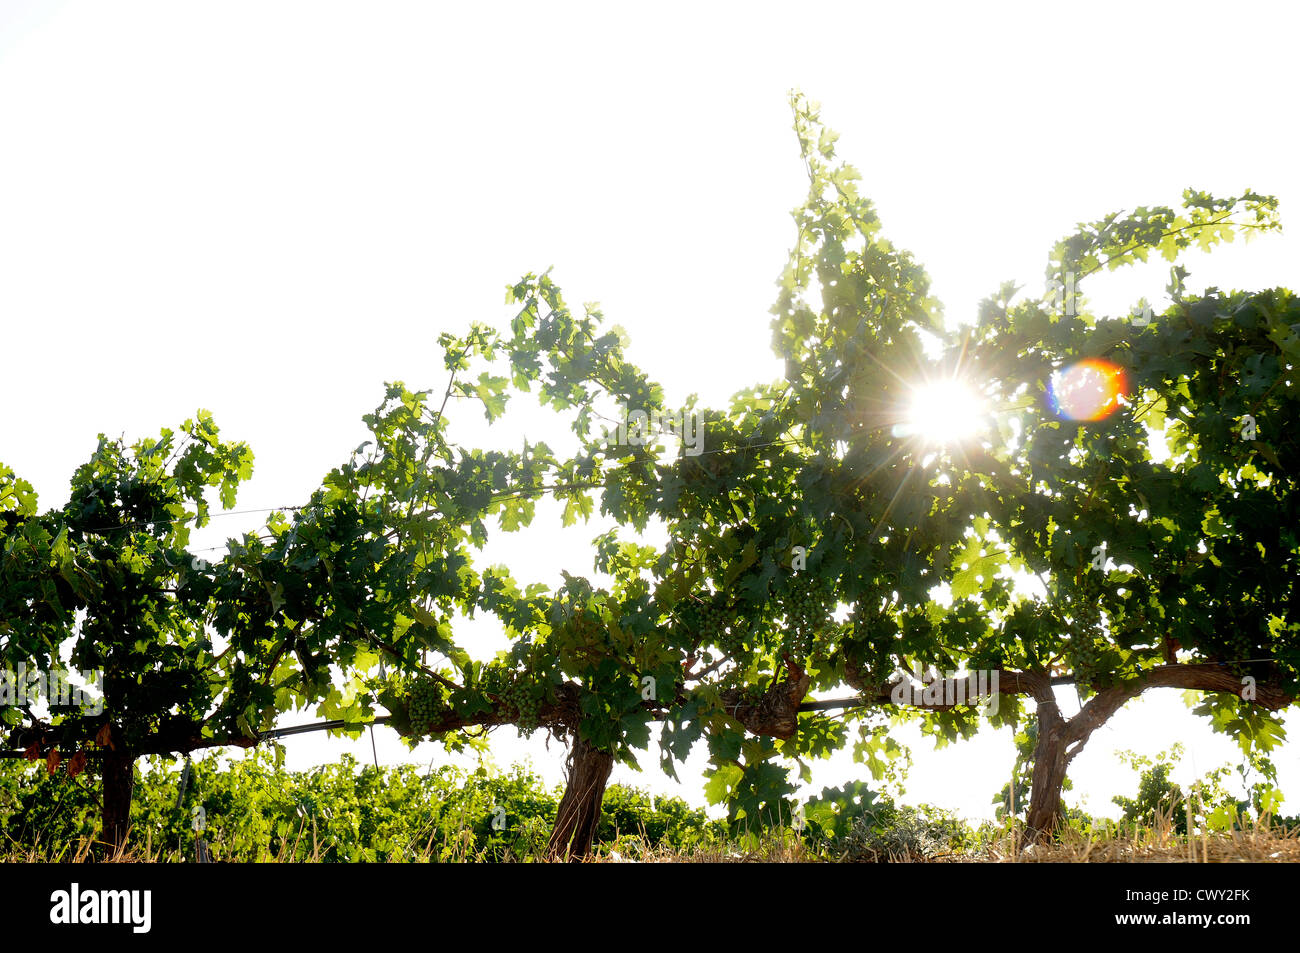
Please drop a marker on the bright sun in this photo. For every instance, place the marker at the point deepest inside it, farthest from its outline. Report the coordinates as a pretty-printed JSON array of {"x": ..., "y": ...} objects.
[{"x": 945, "y": 412}]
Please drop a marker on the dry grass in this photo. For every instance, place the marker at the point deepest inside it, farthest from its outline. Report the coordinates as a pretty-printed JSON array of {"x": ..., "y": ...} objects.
[
  {"x": 772, "y": 851},
  {"x": 1260, "y": 843},
  {"x": 78, "y": 853}
]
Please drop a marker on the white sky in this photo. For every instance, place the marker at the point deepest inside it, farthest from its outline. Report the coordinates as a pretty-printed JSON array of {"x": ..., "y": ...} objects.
[{"x": 269, "y": 209}]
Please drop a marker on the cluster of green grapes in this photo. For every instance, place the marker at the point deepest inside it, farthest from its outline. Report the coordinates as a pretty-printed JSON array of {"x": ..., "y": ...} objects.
[
  {"x": 517, "y": 695},
  {"x": 1084, "y": 659},
  {"x": 713, "y": 622},
  {"x": 703, "y": 621},
  {"x": 807, "y": 610},
  {"x": 424, "y": 703}
]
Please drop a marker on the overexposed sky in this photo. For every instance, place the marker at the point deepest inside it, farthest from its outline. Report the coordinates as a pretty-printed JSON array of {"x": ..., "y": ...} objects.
[{"x": 268, "y": 209}]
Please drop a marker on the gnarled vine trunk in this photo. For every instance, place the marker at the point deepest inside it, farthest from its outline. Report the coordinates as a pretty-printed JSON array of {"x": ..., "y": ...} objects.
[
  {"x": 1050, "y": 764},
  {"x": 578, "y": 816},
  {"x": 1059, "y": 740},
  {"x": 117, "y": 767}
]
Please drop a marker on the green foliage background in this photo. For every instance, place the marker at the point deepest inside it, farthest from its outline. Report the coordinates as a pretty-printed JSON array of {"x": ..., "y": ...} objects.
[{"x": 341, "y": 812}]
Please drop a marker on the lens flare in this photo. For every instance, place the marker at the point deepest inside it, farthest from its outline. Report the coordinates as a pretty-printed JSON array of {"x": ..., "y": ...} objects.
[
  {"x": 943, "y": 412},
  {"x": 1088, "y": 390}
]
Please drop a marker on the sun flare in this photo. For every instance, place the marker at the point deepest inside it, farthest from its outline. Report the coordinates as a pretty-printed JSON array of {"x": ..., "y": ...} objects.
[{"x": 945, "y": 412}]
